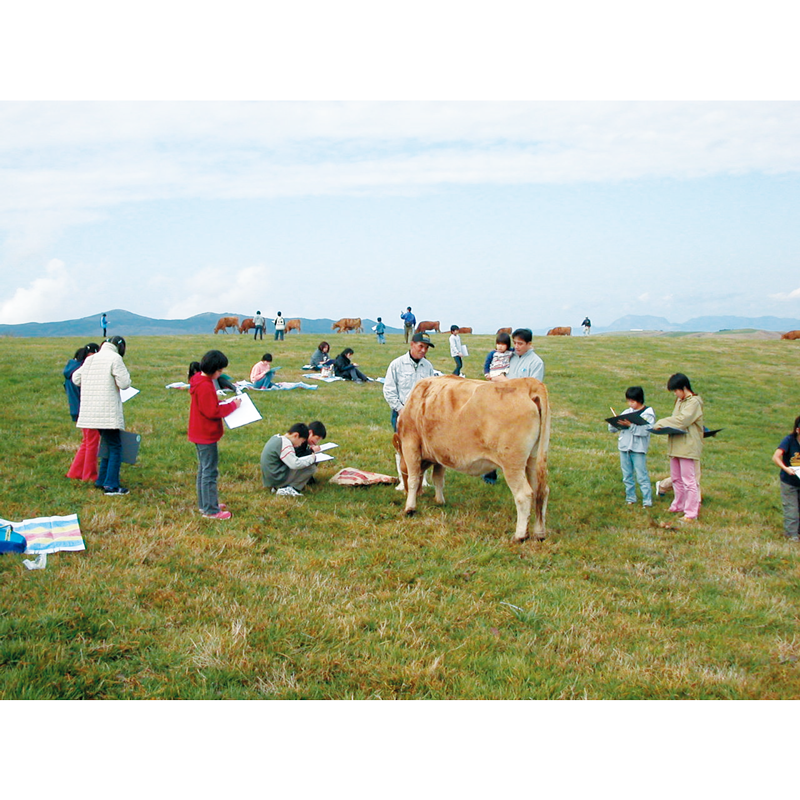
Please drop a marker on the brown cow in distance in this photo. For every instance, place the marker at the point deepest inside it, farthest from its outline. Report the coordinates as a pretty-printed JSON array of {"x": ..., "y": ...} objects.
[
  {"x": 293, "y": 325},
  {"x": 474, "y": 427},
  {"x": 464, "y": 330},
  {"x": 346, "y": 324},
  {"x": 227, "y": 322},
  {"x": 504, "y": 330},
  {"x": 791, "y": 335},
  {"x": 560, "y": 332},
  {"x": 246, "y": 325},
  {"x": 428, "y": 325}
]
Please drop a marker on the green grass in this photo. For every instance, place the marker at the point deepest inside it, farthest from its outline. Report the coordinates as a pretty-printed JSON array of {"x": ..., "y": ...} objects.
[{"x": 335, "y": 595}]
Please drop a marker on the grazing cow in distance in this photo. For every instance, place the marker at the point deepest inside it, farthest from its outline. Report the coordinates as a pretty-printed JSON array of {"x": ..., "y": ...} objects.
[
  {"x": 504, "y": 330},
  {"x": 428, "y": 326},
  {"x": 346, "y": 324},
  {"x": 560, "y": 332},
  {"x": 475, "y": 427},
  {"x": 293, "y": 325},
  {"x": 227, "y": 322},
  {"x": 791, "y": 335},
  {"x": 464, "y": 330},
  {"x": 247, "y": 324}
]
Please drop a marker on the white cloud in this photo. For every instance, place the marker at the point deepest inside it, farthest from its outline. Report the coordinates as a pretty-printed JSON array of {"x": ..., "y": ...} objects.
[
  {"x": 218, "y": 289},
  {"x": 794, "y": 295},
  {"x": 41, "y": 299}
]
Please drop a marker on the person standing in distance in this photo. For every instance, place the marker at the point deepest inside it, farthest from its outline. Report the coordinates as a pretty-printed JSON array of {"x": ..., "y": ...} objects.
[
  {"x": 409, "y": 322},
  {"x": 401, "y": 377},
  {"x": 258, "y": 326},
  {"x": 104, "y": 324},
  {"x": 280, "y": 327}
]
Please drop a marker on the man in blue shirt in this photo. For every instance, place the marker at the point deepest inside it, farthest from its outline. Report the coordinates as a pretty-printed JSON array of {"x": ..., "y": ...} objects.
[{"x": 409, "y": 322}]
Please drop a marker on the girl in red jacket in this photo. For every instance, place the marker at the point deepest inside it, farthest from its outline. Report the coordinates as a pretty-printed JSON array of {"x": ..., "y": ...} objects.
[{"x": 205, "y": 430}]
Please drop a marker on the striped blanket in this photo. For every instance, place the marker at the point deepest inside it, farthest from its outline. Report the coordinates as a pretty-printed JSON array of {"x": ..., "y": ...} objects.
[{"x": 49, "y": 534}]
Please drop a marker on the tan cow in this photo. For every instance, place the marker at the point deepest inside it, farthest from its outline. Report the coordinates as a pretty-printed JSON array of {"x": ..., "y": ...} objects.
[
  {"x": 560, "y": 332},
  {"x": 791, "y": 335},
  {"x": 246, "y": 325},
  {"x": 428, "y": 326},
  {"x": 293, "y": 325},
  {"x": 227, "y": 322},
  {"x": 464, "y": 330},
  {"x": 348, "y": 324},
  {"x": 504, "y": 330},
  {"x": 474, "y": 427}
]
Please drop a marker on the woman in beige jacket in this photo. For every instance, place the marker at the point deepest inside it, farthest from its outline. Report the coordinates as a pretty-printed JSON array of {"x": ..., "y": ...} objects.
[
  {"x": 684, "y": 449},
  {"x": 101, "y": 377}
]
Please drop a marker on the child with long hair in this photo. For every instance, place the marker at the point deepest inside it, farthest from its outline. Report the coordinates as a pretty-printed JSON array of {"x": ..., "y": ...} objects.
[
  {"x": 684, "y": 449},
  {"x": 84, "y": 465}
]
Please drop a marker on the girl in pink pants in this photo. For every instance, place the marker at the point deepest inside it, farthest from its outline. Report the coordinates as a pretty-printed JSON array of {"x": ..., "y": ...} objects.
[{"x": 684, "y": 449}]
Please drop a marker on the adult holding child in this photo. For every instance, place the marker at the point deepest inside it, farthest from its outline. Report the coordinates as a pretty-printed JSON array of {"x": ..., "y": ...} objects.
[
  {"x": 524, "y": 362},
  {"x": 84, "y": 465},
  {"x": 787, "y": 458},
  {"x": 101, "y": 378}
]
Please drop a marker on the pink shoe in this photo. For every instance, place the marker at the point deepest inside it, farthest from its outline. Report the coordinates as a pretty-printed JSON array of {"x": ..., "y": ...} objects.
[{"x": 219, "y": 515}]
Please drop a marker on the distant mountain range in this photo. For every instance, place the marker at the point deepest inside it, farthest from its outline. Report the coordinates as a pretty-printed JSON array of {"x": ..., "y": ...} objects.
[
  {"x": 126, "y": 323},
  {"x": 704, "y": 324}
]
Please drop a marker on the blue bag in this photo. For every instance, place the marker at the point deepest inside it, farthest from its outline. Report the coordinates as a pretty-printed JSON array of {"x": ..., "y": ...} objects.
[{"x": 11, "y": 542}]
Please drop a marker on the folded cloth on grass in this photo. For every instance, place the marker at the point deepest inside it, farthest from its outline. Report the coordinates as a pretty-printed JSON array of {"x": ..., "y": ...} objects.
[
  {"x": 359, "y": 477},
  {"x": 49, "y": 534},
  {"x": 327, "y": 380},
  {"x": 177, "y": 385}
]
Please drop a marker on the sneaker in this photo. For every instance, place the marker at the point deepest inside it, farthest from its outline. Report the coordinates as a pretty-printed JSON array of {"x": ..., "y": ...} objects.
[
  {"x": 219, "y": 515},
  {"x": 288, "y": 491},
  {"x": 222, "y": 507},
  {"x": 111, "y": 492}
]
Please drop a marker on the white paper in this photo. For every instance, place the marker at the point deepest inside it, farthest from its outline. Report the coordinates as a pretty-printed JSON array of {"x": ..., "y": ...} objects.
[
  {"x": 40, "y": 562},
  {"x": 126, "y": 394},
  {"x": 327, "y": 446},
  {"x": 464, "y": 351},
  {"x": 322, "y": 457},
  {"x": 796, "y": 471},
  {"x": 245, "y": 414}
]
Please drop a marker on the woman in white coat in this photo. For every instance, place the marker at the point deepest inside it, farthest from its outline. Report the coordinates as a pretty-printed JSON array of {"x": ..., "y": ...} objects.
[{"x": 101, "y": 377}]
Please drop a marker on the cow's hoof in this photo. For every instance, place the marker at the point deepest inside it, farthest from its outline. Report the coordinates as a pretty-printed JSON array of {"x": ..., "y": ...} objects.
[
  {"x": 520, "y": 539},
  {"x": 409, "y": 512}
]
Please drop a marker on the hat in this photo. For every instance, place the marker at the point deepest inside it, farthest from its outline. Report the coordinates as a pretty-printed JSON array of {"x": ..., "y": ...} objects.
[{"x": 424, "y": 338}]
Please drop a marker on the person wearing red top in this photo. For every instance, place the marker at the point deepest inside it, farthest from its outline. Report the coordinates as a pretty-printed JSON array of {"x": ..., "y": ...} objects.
[{"x": 205, "y": 430}]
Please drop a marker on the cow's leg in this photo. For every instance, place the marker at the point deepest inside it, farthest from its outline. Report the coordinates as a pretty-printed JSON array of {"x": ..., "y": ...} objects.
[
  {"x": 401, "y": 487},
  {"x": 438, "y": 483},
  {"x": 518, "y": 483},
  {"x": 536, "y": 471},
  {"x": 413, "y": 476}
]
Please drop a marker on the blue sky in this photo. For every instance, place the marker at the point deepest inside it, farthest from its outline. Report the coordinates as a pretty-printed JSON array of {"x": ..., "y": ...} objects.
[{"x": 477, "y": 213}]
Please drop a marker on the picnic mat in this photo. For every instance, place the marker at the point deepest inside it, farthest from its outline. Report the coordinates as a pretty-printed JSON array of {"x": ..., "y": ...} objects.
[
  {"x": 49, "y": 534},
  {"x": 359, "y": 477}
]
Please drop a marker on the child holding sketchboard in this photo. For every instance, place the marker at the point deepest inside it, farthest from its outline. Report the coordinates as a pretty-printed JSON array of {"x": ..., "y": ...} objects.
[{"x": 634, "y": 426}]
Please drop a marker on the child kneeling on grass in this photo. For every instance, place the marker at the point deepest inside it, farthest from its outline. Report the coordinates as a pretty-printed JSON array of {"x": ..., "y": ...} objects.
[
  {"x": 205, "y": 430},
  {"x": 282, "y": 470},
  {"x": 633, "y": 443}
]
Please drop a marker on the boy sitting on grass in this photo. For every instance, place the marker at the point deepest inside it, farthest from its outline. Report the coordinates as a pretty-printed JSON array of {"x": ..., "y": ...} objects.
[{"x": 282, "y": 470}]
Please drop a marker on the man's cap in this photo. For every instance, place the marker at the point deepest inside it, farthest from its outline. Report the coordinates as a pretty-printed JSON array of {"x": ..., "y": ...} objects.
[{"x": 424, "y": 338}]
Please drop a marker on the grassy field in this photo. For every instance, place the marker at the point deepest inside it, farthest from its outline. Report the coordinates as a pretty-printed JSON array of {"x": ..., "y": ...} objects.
[{"x": 335, "y": 595}]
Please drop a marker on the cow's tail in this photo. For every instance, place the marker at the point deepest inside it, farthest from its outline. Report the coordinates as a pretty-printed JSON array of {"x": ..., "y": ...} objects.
[{"x": 542, "y": 402}]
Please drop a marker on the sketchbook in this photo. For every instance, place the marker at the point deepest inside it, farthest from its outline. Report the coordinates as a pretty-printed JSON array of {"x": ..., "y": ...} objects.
[
  {"x": 707, "y": 432},
  {"x": 634, "y": 417},
  {"x": 327, "y": 446},
  {"x": 668, "y": 432},
  {"x": 322, "y": 457},
  {"x": 126, "y": 394},
  {"x": 130, "y": 447},
  {"x": 244, "y": 415}
]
